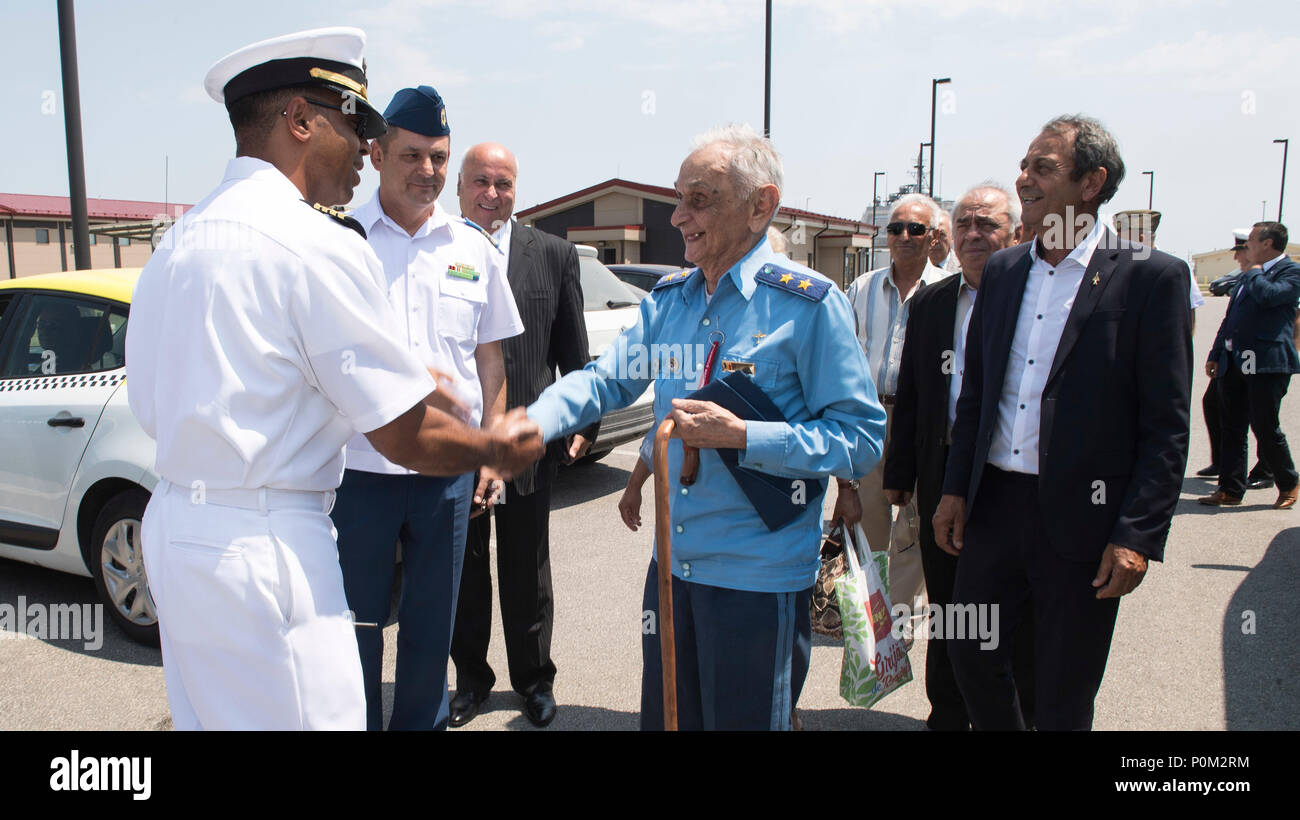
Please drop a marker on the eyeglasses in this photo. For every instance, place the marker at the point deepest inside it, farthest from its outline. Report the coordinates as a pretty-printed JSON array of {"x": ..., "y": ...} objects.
[
  {"x": 362, "y": 120},
  {"x": 913, "y": 228}
]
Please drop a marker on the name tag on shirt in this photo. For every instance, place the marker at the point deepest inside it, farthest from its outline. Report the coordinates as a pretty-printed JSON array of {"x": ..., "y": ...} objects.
[{"x": 738, "y": 367}]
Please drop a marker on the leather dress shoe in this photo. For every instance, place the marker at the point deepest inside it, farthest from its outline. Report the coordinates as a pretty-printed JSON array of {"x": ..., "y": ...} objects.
[
  {"x": 1286, "y": 498},
  {"x": 464, "y": 707},
  {"x": 1219, "y": 498},
  {"x": 539, "y": 708},
  {"x": 1259, "y": 483},
  {"x": 1208, "y": 472}
]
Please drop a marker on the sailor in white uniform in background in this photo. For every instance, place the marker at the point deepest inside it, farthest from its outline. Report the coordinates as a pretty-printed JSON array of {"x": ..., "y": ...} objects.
[{"x": 259, "y": 342}]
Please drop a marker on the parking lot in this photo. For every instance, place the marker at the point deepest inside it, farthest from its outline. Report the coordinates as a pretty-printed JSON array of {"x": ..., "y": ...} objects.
[{"x": 1206, "y": 642}]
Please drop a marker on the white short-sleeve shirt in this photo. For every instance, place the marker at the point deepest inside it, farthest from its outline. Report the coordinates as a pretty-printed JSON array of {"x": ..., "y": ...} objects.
[
  {"x": 448, "y": 289},
  {"x": 259, "y": 341}
]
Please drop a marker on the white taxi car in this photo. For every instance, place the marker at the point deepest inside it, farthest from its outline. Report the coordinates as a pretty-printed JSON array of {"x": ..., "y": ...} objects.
[{"x": 75, "y": 467}]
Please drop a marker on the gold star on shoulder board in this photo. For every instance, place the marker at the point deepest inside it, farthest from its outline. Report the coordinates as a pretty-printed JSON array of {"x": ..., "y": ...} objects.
[
  {"x": 804, "y": 284},
  {"x": 786, "y": 277}
]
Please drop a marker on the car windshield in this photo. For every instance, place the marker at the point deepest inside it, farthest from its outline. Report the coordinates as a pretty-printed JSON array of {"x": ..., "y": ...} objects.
[{"x": 601, "y": 289}]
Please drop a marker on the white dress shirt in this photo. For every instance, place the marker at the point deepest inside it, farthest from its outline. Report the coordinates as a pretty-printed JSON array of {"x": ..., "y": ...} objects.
[
  {"x": 448, "y": 289},
  {"x": 880, "y": 312},
  {"x": 1044, "y": 307},
  {"x": 503, "y": 236},
  {"x": 259, "y": 341},
  {"x": 961, "y": 325}
]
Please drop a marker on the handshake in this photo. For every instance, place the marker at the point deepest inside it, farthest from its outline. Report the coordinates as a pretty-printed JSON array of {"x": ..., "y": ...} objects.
[{"x": 515, "y": 443}]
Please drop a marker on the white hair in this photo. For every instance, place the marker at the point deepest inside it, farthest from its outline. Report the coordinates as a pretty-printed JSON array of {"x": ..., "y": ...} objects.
[
  {"x": 751, "y": 159},
  {"x": 1013, "y": 201},
  {"x": 917, "y": 199}
]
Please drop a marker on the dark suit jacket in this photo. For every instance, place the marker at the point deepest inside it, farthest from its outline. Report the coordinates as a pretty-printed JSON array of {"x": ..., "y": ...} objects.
[
  {"x": 1261, "y": 318},
  {"x": 544, "y": 277},
  {"x": 914, "y": 460},
  {"x": 1115, "y": 406}
]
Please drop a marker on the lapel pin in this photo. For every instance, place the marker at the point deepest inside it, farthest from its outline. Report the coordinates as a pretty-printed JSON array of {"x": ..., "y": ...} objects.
[{"x": 1096, "y": 278}]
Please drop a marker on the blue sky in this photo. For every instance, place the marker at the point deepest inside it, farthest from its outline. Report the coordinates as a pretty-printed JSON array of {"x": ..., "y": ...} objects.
[{"x": 583, "y": 91}]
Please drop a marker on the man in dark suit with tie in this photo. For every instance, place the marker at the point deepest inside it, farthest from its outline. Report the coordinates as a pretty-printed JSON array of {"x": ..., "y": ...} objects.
[
  {"x": 1252, "y": 361},
  {"x": 1071, "y": 433},
  {"x": 929, "y": 382},
  {"x": 544, "y": 277}
]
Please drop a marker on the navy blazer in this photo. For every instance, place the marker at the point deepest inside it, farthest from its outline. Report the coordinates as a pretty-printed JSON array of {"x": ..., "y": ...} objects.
[
  {"x": 1261, "y": 321},
  {"x": 1113, "y": 431}
]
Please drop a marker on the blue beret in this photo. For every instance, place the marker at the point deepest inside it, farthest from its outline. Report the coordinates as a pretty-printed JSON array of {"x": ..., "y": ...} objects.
[{"x": 419, "y": 110}]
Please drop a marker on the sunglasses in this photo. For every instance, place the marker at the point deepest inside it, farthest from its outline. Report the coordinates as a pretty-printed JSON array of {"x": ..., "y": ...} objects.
[
  {"x": 362, "y": 119},
  {"x": 913, "y": 228}
]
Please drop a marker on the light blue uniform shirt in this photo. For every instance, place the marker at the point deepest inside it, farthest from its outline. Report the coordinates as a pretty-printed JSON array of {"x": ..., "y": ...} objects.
[{"x": 804, "y": 355}]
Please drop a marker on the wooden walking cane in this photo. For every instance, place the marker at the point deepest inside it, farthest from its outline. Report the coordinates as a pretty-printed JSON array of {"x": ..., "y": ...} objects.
[{"x": 663, "y": 557}]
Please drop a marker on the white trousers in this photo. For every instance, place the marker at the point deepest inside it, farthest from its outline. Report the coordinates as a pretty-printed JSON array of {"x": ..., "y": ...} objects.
[{"x": 255, "y": 628}]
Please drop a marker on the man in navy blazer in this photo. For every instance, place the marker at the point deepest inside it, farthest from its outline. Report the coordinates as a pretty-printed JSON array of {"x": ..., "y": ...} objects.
[
  {"x": 1071, "y": 433},
  {"x": 1252, "y": 361}
]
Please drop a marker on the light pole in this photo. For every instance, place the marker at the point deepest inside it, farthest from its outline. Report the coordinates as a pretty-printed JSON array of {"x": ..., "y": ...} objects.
[
  {"x": 871, "y": 254},
  {"x": 72, "y": 131},
  {"x": 934, "y": 91},
  {"x": 1151, "y": 191},
  {"x": 767, "y": 77},
  {"x": 1285, "y": 145}
]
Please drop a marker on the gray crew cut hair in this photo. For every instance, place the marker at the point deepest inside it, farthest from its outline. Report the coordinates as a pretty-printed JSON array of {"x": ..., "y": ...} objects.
[
  {"x": 917, "y": 199},
  {"x": 752, "y": 160},
  {"x": 1013, "y": 202},
  {"x": 1094, "y": 148}
]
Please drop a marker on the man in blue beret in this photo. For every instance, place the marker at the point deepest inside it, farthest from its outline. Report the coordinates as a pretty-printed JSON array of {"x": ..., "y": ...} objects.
[{"x": 447, "y": 287}]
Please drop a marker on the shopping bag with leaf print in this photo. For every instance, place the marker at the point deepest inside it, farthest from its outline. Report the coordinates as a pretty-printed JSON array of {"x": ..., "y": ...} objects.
[{"x": 875, "y": 660}]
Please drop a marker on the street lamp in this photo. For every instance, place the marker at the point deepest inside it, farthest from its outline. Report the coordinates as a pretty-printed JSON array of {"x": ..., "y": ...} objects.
[
  {"x": 767, "y": 75},
  {"x": 1285, "y": 145},
  {"x": 871, "y": 254},
  {"x": 1151, "y": 191},
  {"x": 934, "y": 91}
]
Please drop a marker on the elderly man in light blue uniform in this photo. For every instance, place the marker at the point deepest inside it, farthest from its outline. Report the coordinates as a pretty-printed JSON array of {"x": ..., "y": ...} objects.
[{"x": 737, "y": 585}]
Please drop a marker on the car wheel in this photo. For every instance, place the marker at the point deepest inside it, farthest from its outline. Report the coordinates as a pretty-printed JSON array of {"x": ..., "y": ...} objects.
[{"x": 118, "y": 566}]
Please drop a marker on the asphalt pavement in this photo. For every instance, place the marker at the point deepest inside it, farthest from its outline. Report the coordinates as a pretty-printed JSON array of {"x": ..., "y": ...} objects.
[{"x": 1206, "y": 642}]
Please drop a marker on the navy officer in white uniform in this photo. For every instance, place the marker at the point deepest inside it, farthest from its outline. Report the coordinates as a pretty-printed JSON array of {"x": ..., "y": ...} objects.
[
  {"x": 259, "y": 343},
  {"x": 739, "y": 587},
  {"x": 447, "y": 285}
]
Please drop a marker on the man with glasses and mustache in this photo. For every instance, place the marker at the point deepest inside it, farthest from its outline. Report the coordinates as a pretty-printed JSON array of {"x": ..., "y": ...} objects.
[
  {"x": 881, "y": 301},
  {"x": 259, "y": 343}
]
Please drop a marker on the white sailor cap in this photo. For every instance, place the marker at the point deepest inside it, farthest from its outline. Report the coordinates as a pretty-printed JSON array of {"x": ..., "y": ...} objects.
[
  {"x": 329, "y": 58},
  {"x": 1239, "y": 237}
]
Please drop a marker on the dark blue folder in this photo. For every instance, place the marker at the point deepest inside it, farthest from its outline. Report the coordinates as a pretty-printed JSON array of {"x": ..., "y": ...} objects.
[{"x": 772, "y": 496}]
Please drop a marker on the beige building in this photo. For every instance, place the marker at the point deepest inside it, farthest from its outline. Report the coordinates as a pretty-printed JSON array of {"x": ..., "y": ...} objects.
[
  {"x": 1213, "y": 264},
  {"x": 629, "y": 223},
  {"x": 38, "y": 232}
]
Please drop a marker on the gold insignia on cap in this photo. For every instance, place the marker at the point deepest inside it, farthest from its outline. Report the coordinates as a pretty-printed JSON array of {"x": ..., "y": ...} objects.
[
  {"x": 339, "y": 79},
  {"x": 444, "y": 118}
]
